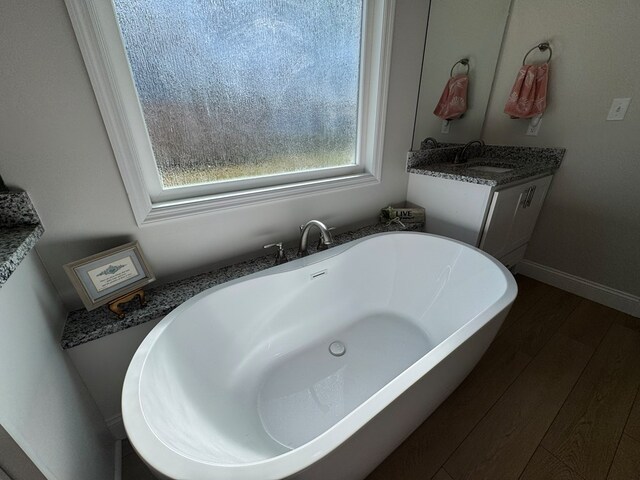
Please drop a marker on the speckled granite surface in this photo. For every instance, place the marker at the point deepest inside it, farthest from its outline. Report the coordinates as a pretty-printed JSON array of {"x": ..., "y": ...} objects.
[
  {"x": 16, "y": 209},
  {"x": 15, "y": 243},
  {"x": 83, "y": 326},
  {"x": 20, "y": 229},
  {"x": 524, "y": 162}
]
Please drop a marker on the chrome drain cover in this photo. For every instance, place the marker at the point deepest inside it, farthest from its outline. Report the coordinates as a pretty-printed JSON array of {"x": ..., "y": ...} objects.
[{"x": 337, "y": 349}]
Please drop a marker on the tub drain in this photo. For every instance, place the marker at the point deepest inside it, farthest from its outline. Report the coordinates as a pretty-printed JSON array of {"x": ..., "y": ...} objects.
[{"x": 337, "y": 349}]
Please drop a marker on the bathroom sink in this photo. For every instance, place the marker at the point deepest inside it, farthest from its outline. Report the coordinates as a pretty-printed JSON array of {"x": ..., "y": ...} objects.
[
  {"x": 490, "y": 169},
  {"x": 484, "y": 165}
]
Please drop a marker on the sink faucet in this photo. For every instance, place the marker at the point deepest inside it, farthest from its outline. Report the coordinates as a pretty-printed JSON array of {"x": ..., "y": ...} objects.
[
  {"x": 326, "y": 238},
  {"x": 429, "y": 141},
  {"x": 461, "y": 156}
]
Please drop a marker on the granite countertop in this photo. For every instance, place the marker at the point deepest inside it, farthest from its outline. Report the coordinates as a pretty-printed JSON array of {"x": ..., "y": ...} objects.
[
  {"x": 83, "y": 326},
  {"x": 20, "y": 229},
  {"x": 15, "y": 243},
  {"x": 522, "y": 162}
]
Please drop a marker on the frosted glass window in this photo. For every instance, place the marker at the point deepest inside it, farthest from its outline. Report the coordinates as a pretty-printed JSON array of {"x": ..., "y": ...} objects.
[{"x": 235, "y": 89}]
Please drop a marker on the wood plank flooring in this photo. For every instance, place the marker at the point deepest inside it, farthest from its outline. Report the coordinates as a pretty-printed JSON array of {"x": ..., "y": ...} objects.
[
  {"x": 505, "y": 439},
  {"x": 556, "y": 397},
  {"x": 626, "y": 464},
  {"x": 564, "y": 404},
  {"x": 633, "y": 424},
  {"x": 133, "y": 468},
  {"x": 586, "y": 432}
]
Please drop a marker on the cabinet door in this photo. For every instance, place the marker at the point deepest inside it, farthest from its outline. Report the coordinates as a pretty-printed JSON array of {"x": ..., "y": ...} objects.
[
  {"x": 512, "y": 216},
  {"x": 454, "y": 209}
]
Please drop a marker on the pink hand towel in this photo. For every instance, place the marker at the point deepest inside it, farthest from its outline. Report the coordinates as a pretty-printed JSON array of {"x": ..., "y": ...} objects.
[
  {"x": 528, "y": 97},
  {"x": 453, "y": 101}
]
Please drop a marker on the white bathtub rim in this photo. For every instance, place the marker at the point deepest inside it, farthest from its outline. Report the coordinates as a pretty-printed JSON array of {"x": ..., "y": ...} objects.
[{"x": 174, "y": 464}]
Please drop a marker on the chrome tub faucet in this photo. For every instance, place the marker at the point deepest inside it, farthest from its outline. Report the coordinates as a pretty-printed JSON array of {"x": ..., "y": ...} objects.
[{"x": 326, "y": 238}]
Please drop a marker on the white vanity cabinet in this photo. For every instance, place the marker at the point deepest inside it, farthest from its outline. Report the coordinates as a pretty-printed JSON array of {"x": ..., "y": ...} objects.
[
  {"x": 512, "y": 216},
  {"x": 499, "y": 220}
]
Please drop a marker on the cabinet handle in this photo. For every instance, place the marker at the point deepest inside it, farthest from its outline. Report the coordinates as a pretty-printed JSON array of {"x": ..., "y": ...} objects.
[
  {"x": 532, "y": 191},
  {"x": 525, "y": 196}
]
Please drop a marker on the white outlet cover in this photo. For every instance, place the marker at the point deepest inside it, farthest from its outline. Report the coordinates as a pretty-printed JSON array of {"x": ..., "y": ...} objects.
[
  {"x": 534, "y": 126},
  {"x": 618, "y": 108},
  {"x": 446, "y": 125}
]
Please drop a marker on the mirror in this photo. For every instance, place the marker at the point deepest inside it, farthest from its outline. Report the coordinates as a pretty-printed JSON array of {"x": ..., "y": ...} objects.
[{"x": 459, "y": 29}]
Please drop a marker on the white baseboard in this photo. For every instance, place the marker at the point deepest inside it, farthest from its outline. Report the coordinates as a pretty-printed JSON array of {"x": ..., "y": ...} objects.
[
  {"x": 118, "y": 461},
  {"x": 116, "y": 427},
  {"x": 617, "y": 299}
]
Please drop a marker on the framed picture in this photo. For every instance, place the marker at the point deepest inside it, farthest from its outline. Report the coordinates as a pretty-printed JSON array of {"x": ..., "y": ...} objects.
[{"x": 109, "y": 275}]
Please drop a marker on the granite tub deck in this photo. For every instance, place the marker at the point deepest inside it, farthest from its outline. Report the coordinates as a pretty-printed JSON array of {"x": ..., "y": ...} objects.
[
  {"x": 20, "y": 230},
  {"x": 523, "y": 162},
  {"x": 83, "y": 326}
]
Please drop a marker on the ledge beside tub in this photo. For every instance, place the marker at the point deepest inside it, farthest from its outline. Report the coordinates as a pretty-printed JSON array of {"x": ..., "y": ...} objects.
[
  {"x": 83, "y": 326},
  {"x": 20, "y": 230}
]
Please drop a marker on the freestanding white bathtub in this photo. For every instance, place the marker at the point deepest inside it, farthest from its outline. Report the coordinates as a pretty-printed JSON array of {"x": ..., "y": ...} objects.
[{"x": 239, "y": 381}]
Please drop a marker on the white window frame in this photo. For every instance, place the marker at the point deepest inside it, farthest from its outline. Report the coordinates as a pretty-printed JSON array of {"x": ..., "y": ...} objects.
[{"x": 98, "y": 34}]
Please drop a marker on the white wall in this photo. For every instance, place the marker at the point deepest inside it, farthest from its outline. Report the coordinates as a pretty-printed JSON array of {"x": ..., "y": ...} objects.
[
  {"x": 103, "y": 364},
  {"x": 44, "y": 405},
  {"x": 590, "y": 224},
  {"x": 53, "y": 144}
]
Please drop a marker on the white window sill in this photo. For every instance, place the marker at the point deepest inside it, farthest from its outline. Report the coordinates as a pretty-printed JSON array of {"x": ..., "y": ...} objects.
[{"x": 183, "y": 208}]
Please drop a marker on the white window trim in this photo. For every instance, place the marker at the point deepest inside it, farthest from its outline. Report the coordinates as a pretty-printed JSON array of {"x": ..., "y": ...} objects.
[{"x": 99, "y": 39}]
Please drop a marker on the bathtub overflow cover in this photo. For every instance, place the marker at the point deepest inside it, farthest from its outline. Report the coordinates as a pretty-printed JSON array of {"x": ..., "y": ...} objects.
[{"x": 337, "y": 349}]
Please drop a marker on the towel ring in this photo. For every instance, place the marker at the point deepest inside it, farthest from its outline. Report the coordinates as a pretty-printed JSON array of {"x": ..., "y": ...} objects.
[
  {"x": 464, "y": 61},
  {"x": 543, "y": 47}
]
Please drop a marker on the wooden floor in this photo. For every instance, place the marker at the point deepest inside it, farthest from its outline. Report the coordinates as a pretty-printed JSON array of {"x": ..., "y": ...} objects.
[
  {"x": 132, "y": 467},
  {"x": 555, "y": 397}
]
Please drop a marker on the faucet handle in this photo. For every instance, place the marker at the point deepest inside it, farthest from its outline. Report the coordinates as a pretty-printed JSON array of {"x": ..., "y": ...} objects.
[{"x": 281, "y": 256}]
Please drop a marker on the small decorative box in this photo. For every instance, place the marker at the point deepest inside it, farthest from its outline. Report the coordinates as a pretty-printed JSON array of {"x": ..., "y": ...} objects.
[{"x": 407, "y": 214}]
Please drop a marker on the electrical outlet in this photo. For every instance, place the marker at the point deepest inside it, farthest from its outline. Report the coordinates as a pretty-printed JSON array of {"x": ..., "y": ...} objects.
[
  {"x": 534, "y": 126},
  {"x": 446, "y": 125},
  {"x": 618, "y": 108}
]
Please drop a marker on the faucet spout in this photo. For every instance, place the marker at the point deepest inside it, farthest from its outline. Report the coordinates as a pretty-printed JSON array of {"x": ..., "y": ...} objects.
[
  {"x": 429, "y": 142},
  {"x": 326, "y": 238},
  {"x": 462, "y": 156}
]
